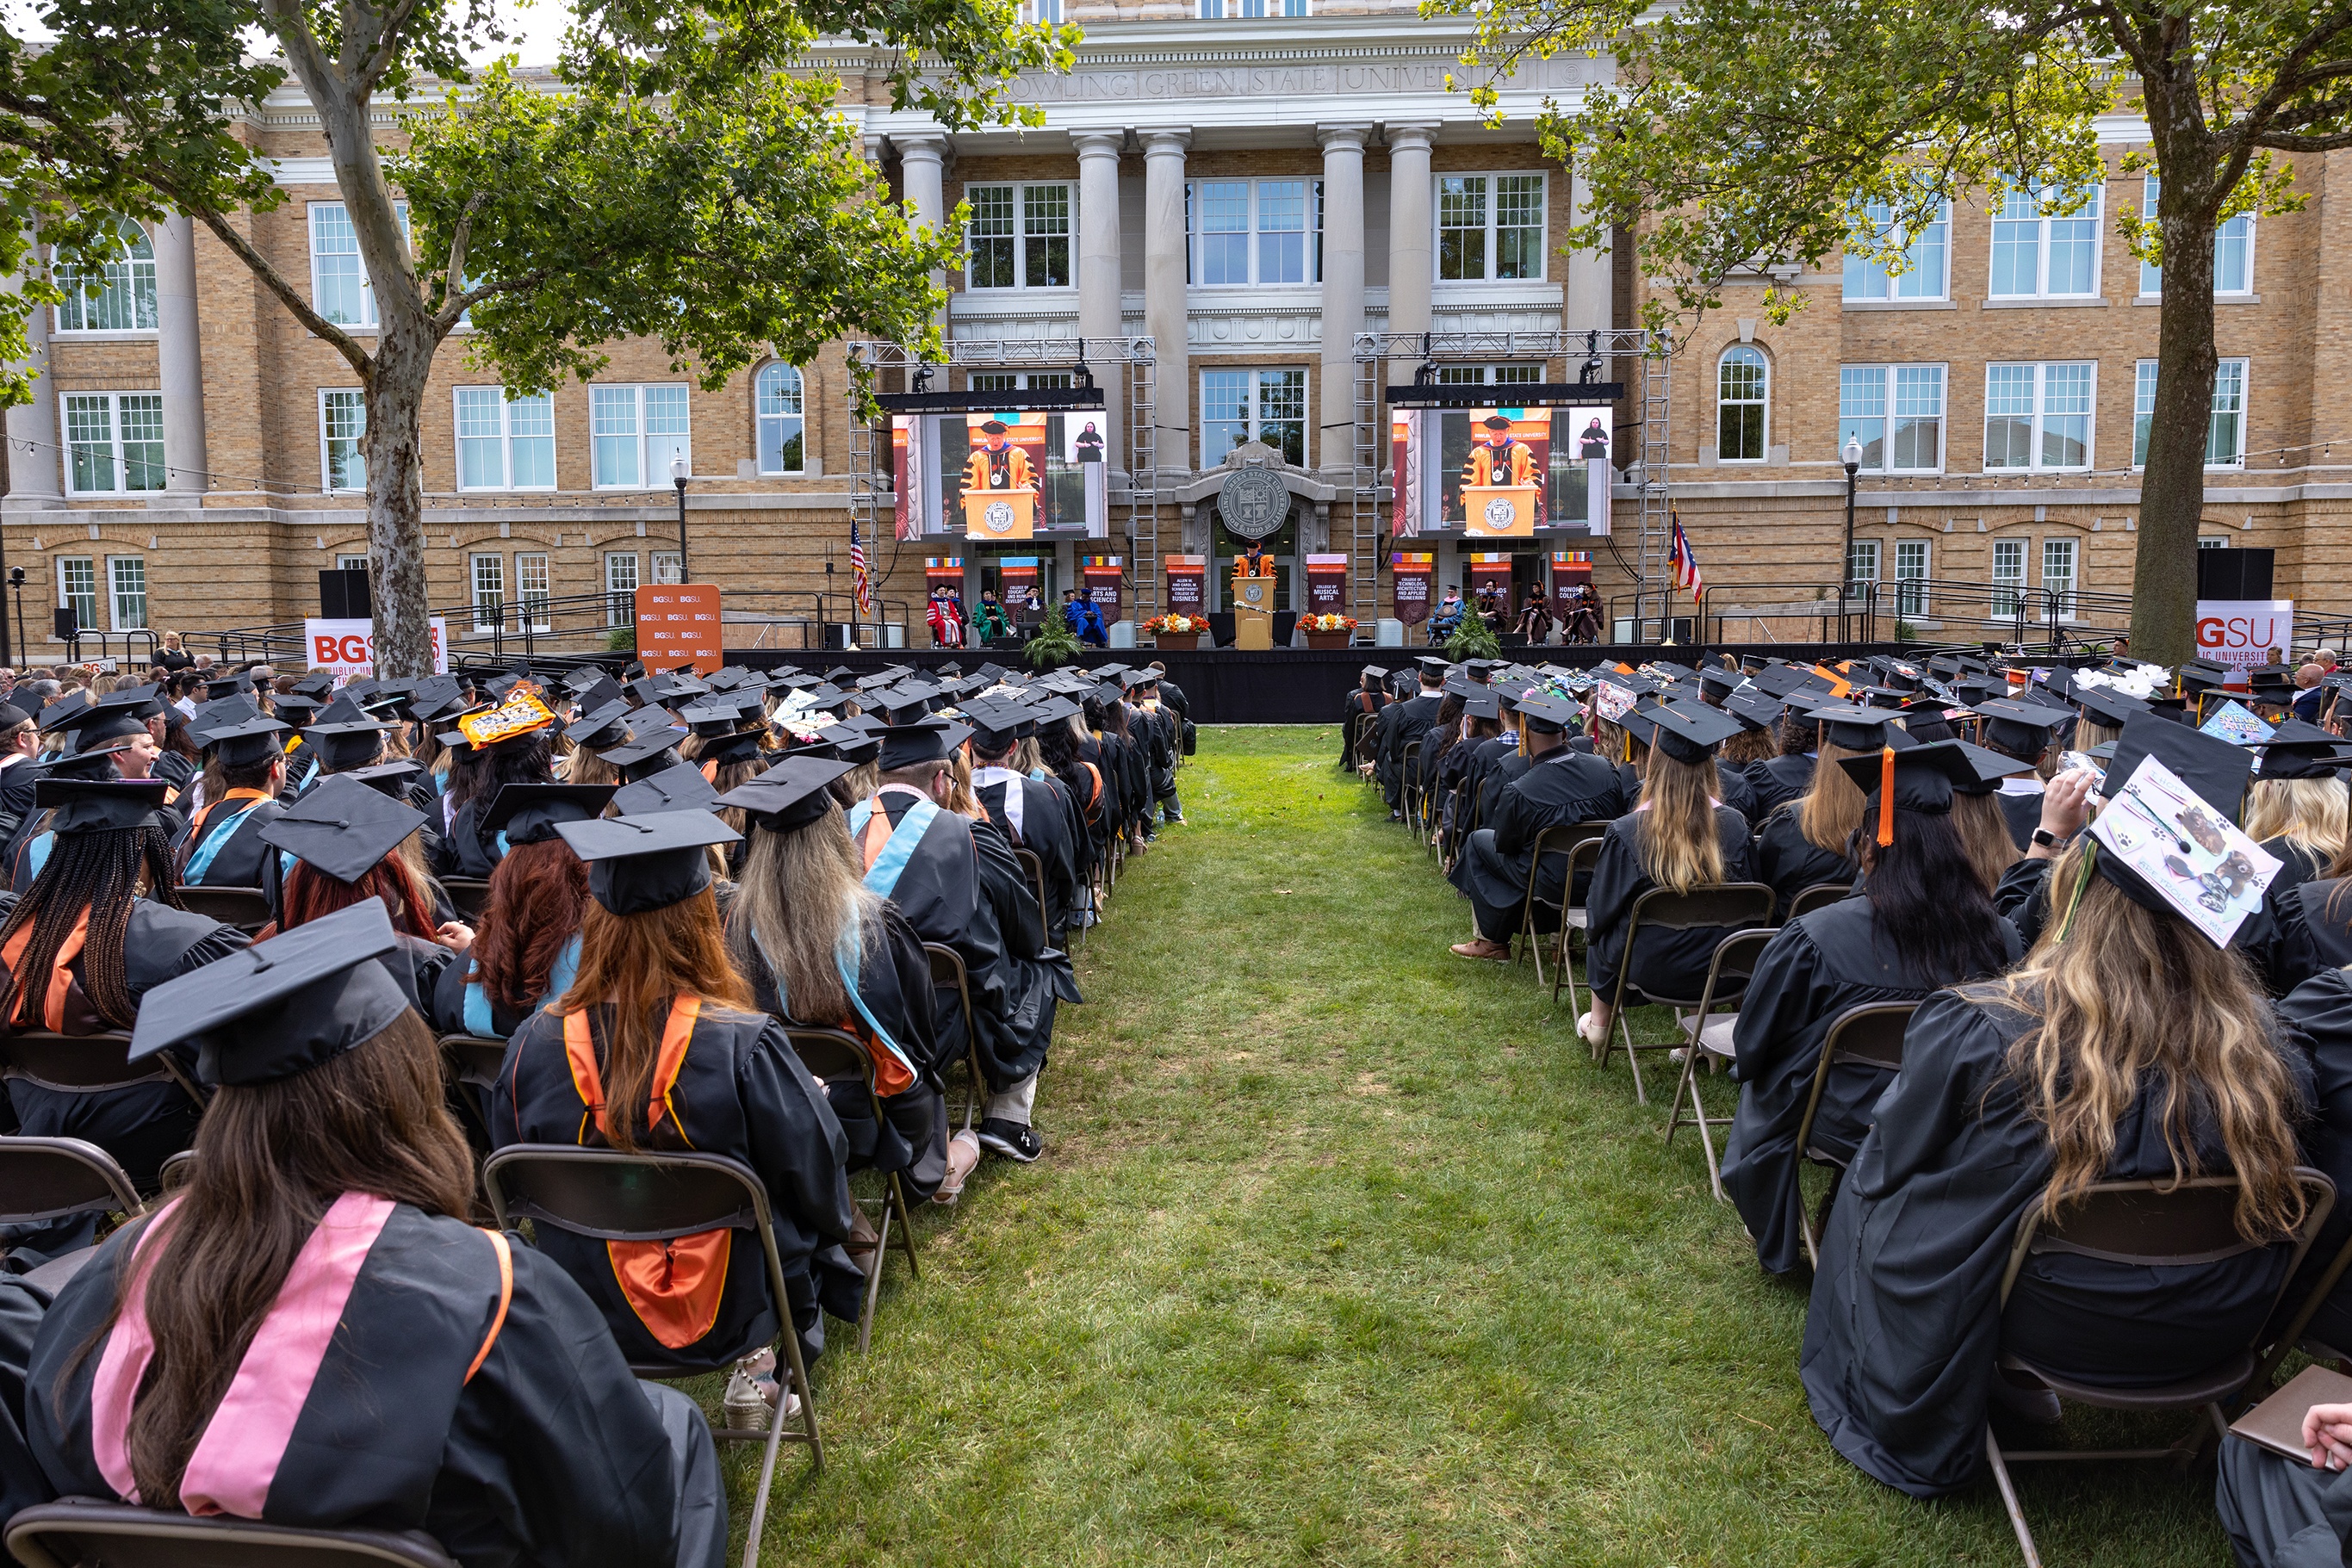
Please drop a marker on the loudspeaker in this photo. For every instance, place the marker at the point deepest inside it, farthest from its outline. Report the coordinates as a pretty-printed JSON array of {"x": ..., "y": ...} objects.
[
  {"x": 2235, "y": 573},
  {"x": 66, "y": 627},
  {"x": 343, "y": 595}
]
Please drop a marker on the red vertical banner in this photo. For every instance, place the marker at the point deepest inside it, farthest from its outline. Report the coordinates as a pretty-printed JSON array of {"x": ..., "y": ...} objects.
[
  {"x": 943, "y": 570},
  {"x": 1404, "y": 454},
  {"x": 1570, "y": 570},
  {"x": 1411, "y": 573},
  {"x": 1188, "y": 584},
  {"x": 1327, "y": 584},
  {"x": 1490, "y": 571},
  {"x": 1102, "y": 580}
]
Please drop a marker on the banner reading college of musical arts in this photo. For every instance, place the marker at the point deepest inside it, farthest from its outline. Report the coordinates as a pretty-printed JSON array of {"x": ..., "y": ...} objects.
[{"x": 1327, "y": 584}]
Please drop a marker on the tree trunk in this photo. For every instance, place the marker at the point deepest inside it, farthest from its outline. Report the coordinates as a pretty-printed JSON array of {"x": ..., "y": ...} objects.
[{"x": 395, "y": 502}]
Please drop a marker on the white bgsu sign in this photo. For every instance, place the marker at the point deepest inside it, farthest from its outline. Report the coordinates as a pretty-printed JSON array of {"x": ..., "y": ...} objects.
[
  {"x": 2244, "y": 632},
  {"x": 348, "y": 647}
]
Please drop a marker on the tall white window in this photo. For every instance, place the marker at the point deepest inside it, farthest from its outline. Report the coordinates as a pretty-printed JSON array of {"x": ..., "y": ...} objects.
[
  {"x": 1927, "y": 255},
  {"x": 2058, "y": 577},
  {"x": 1269, "y": 407},
  {"x": 1897, "y": 411},
  {"x": 342, "y": 427},
  {"x": 339, "y": 281},
  {"x": 2007, "y": 576},
  {"x": 1862, "y": 561},
  {"x": 351, "y": 563},
  {"x": 2233, "y": 249},
  {"x": 1742, "y": 391},
  {"x": 531, "y": 590},
  {"x": 488, "y": 574},
  {"x": 777, "y": 393},
  {"x": 2038, "y": 416},
  {"x": 634, "y": 433},
  {"x": 114, "y": 442},
  {"x": 620, "y": 587},
  {"x": 1045, "y": 11},
  {"x": 1910, "y": 577},
  {"x": 1490, "y": 227},
  {"x": 116, "y": 295},
  {"x": 1254, "y": 231},
  {"x": 126, "y": 579},
  {"x": 77, "y": 589},
  {"x": 505, "y": 443},
  {"x": 2035, "y": 255},
  {"x": 2225, "y": 433},
  {"x": 1019, "y": 236}
]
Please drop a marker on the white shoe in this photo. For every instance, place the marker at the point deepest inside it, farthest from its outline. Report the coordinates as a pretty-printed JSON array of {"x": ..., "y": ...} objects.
[{"x": 1593, "y": 1035}]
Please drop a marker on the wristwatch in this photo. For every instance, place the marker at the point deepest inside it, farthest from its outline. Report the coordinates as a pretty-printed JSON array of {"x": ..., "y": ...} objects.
[{"x": 2045, "y": 838}]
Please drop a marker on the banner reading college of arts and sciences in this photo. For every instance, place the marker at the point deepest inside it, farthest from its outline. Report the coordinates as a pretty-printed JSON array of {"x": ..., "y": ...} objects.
[
  {"x": 1102, "y": 580},
  {"x": 1570, "y": 570},
  {"x": 1327, "y": 584},
  {"x": 1411, "y": 573},
  {"x": 1188, "y": 584}
]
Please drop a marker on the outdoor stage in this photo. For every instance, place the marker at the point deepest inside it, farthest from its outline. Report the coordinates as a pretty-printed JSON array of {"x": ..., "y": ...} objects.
[{"x": 1291, "y": 685}]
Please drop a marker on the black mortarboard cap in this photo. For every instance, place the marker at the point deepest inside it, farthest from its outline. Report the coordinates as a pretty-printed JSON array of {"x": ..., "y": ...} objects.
[
  {"x": 637, "y": 864},
  {"x": 342, "y": 828},
  {"x": 2020, "y": 726},
  {"x": 1483, "y": 704},
  {"x": 297, "y": 711},
  {"x": 1752, "y": 710},
  {"x": 679, "y": 788},
  {"x": 1991, "y": 767},
  {"x": 1546, "y": 715},
  {"x": 1779, "y": 680},
  {"x": 907, "y": 745},
  {"x": 101, "y": 806},
  {"x": 529, "y": 814},
  {"x": 789, "y": 795},
  {"x": 228, "y": 685},
  {"x": 1855, "y": 729},
  {"x": 59, "y": 713},
  {"x": 244, "y": 745},
  {"x": 1925, "y": 776},
  {"x": 1690, "y": 731},
  {"x": 282, "y": 1007},
  {"x": 602, "y": 726},
  {"x": 641, "y": 758},
  {"x": 350, "y": 744},
  {"x": 2300, "y": 750},
  {"x": 1433, "y": 664},
  {"x": 316, "y": 685},
  {"x": 2105, "y": 704},
  {"x": 2217, "y": 770},
  {"x": 389, "y": 779}
]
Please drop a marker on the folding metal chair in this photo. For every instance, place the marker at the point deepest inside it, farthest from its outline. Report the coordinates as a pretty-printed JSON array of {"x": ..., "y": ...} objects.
[
  {"x": 1359, "y": 730},
  {"x": 246, "y": 908},
  {"x": 1821, "y": 895},
  {"x": 613, "y": 1196},
  {"x": 2153, "y": 1223},
  {"x": 471, "y": 1063},
  {"x": 82, "y": 1533},
  {"x": 466, "y": 895},
  {"x": 42, "y": 1180},
  {"x": 1869, "y": 1038},
  {"x": 1560, "y": 837},
  {"x": 1036, "y": 869},
  {"x": 1708, "y": 1035},
  {"x": 947, "y": 970},
  {"x": 1409, "y": 778},
  {"x": 1724, "y": 903},
  {"x": 833, "y": 1056},
  {"x": 1575, "y": 922}
]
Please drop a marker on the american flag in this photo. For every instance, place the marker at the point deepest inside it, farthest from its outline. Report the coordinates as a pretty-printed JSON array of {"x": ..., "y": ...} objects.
[
  {"x": 1685, "y": 563},
  {"x": 860, "y": 584}
]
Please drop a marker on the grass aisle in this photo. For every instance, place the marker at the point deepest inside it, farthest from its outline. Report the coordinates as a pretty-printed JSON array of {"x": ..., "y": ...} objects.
[{"x": 1343, "y": 1251}]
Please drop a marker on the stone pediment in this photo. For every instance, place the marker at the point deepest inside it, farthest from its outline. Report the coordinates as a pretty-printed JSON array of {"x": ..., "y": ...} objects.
[{"x": 1255, "y": 455}]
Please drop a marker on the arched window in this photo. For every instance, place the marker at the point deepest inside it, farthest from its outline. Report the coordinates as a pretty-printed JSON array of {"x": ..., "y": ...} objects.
[
  {"x": 124, "y": 297},
  {"x": 776, "y": 394},
  {"x": 1741, "y": 384}
]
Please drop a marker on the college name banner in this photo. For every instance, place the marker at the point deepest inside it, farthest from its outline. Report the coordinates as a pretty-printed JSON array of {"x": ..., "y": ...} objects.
[
  {"x": 348, "y": 647},
  {"x": 943, "y": 568},
  {"x": 1490, "y": 571},
  {"x": 678, "y": 624},
  {"x": 1411, "y": 573},
  {"x": 1188, "y": 584},
  {"x": 1327, "y": 584},
  {"x": 2244, "y": 632},
  {"x": 1571, "y": 568},
  {"x": 1102, "y": 575}
]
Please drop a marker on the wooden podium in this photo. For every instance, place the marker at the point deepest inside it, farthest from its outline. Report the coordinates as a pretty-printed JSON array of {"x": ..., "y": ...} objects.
[
  {"x": 1253, "y": 613},
  {"x": 1000, "y": 514},
  {"x": 1499, "y": 511}
]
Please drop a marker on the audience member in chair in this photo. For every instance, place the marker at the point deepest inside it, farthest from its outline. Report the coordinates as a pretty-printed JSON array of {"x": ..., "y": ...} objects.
[
  {"x": 223, "y": 846},
  {"x": 1680, "y": 837},
  {"x": 2127, "y": 1047},
  {"x": 311, "y": 1334},
  {"x": 2290, "y": 1514},
  {"x": 1808, "y": 841},
  {"x": 1924, "y": 922},
  {"x": 658, "y": 1047},
  {"x": 821, "y": 951},
  {"x": 526, "y": 946},
  {"x": 1560, "y": 785},
  {"x": 2296, "y": 808},
  {"x": 98, "y": 928}
]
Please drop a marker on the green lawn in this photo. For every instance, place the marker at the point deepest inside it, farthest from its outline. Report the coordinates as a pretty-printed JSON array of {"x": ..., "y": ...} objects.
[{"x": 1343, "y": 1251}]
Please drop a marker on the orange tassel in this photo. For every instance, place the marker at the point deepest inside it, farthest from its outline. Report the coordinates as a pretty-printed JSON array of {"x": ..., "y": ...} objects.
[{"x": 1885, "y": 796}]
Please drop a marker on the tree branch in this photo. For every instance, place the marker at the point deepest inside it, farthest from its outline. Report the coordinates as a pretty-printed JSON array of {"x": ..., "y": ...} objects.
[
  {"x": 2278, "y": 143},
  {"x": 343, "y": 343},
  {"x": 453, "y": 273},
  {"x": 2285, "y": 80},
  {"x": 380, "y": 59}
]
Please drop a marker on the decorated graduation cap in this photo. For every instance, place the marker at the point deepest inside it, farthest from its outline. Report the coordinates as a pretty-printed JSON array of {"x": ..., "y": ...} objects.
[
  {"x": 245, "y": 745},
  {"x": 681, "y": 787},
  {"x": 282, "y": 1007},
  {"x": 2300, "y": 750},
  {"x": 640, "y": 863},
  {"x": 102, "y": 805},
  {"x": 2216, "y": 770},
  {"x": 2166, "y": 842},
  {"x": 530, "y": 813},
  {"x": 342, "y": 828},
  {"x": 789, "y": 796},
  {"x": 643, "y": 757},
  {"x": 2019, "y": 727}
]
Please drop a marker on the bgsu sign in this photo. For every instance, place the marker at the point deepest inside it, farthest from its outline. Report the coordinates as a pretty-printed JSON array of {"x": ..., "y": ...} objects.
[
  {"x": 348, "y": 647},
  {"x": 2244, "y": 632}
]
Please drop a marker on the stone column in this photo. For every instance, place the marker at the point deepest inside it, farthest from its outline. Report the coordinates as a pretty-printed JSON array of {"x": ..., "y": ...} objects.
[
  {"x": 1412, "y": 252},
  {"x": 36, "y": 470},
  {"x": 1343, "y": 294},
  {"x": 1098, "y": 311},
  {"x": 923, "y": 185},
  {"x": 1166, "y": 315},
  {"x": 179, "y": 359}
]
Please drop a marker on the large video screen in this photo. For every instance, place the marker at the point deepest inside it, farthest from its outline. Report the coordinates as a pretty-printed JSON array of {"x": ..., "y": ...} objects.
[
  {"x": 1525, "y": 467},
  {"x": 1043, "y": 470}
]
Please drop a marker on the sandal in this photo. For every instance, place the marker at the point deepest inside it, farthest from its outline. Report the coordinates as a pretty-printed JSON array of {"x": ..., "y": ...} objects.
[{"x": 964, "y": 1158}]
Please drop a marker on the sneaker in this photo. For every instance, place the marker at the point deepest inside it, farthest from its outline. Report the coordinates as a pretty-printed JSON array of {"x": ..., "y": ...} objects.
[
  {"x": 1175, "y": 819},
  {"x": 1014, "y": 1140}
]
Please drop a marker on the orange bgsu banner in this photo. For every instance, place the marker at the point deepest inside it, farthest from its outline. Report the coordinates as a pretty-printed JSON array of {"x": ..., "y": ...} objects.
[{"x": 677, "y": 623}]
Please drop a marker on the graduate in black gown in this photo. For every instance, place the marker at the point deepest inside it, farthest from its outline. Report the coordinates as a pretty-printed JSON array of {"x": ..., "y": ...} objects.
[
  {"x": 963, "y": 889},
  {"x": 656, "y": 1046},
  {"x": 1362, "y": 708},
  {"x": 1026, "y": 810},
  {"x": 1678, "y": 836},
  {"x": 2016, "y": 1092},
  {"x": 1804, "y": 843},
  {"x": 2295, "y": 809},
  {"x": 1559, "y": 786},
  {"x": 1781, "y": 780},
  {"x": 1402, "y": 723},
  {"x": 526, "y": 946},
  {"x": 346, "y": 841},
  {"x": 222, "y": 847},
  {"x": 1922, "y": 923},
  {"x": 2021, "y": 730},
  {"x": 466, "y": 1389}
]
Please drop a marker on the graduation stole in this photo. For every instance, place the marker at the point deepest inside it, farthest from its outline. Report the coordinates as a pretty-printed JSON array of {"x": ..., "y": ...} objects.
[
  {"x": 1014, "y": 795},
  {"x": 193, "y": 867},
  {"x": 560, "y": 975},
  {"x": 887, "y": 850},
  {"x": 894, "y": 1069},
  {"x": 61, "y": 981},
  {"x": 673, "y": 1287}
]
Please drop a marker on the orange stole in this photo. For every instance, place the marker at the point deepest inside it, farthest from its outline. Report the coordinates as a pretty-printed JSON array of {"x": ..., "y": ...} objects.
[
  {"x": 673, "y": 1286},
  {"x": 53, "y": 1004}
]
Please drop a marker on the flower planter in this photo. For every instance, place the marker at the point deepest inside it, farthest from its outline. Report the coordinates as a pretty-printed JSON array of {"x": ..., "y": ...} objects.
[
  {"x": 1177, "y": 642},
  {"x": 1328, "y": 641}
]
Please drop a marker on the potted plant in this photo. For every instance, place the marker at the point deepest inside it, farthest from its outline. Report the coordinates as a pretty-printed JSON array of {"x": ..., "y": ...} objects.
[
  {"x": 1053, "y": 644},
  {"x": 1328, "y": 632},
  {"x": 1179, "y": 633}
]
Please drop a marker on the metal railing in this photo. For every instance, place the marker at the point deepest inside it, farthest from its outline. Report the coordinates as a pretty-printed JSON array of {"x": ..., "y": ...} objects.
[{"x": 1918, "y": 610}]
